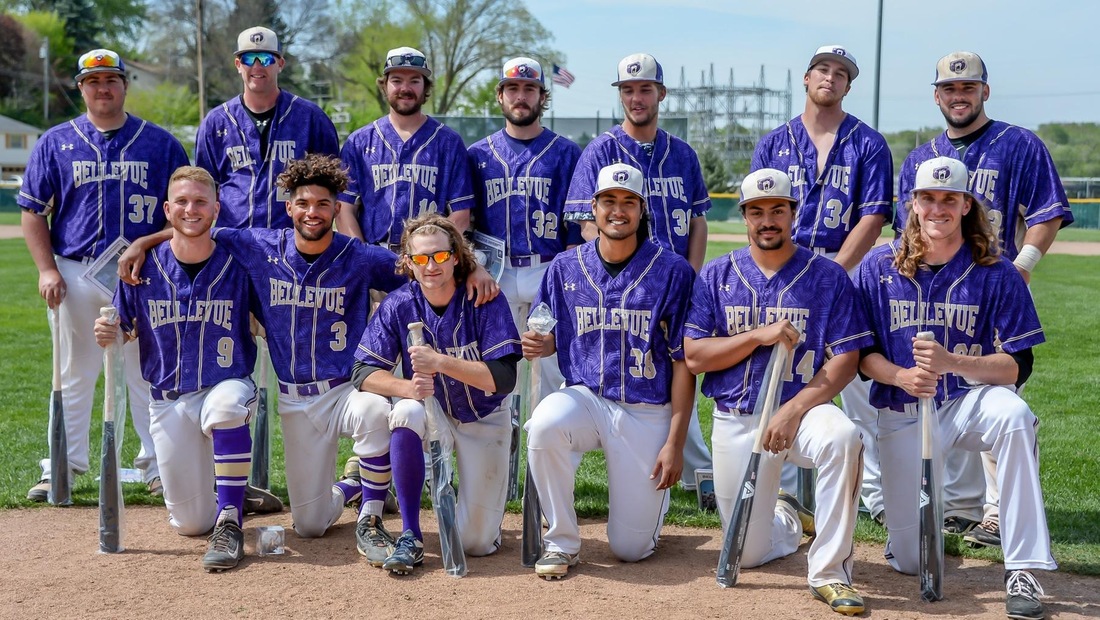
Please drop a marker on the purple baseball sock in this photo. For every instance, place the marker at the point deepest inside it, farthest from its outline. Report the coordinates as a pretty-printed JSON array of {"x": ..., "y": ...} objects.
[
  {"x": 232, "y": 462},
  {"x": 407, "y": 454},
  {"x": 375, "y": 476}
]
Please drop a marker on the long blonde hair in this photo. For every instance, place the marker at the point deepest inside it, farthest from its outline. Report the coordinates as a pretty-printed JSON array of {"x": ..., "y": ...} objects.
[{"x": 984, "y": 246}]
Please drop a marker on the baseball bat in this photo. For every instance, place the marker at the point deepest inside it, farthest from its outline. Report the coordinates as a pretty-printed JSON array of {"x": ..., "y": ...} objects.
[
  {"x": 443, "y": 494},
  {"x": 111, "y": 505},
  {"x": 60, "y": 493},
  {"x": 733, "y": 545},
  {"x": 531, "y": 539},
  {"x": 261, "y": 444},
  {"x": 513, "y": 453},
  {"x": 931, "y": 506}
]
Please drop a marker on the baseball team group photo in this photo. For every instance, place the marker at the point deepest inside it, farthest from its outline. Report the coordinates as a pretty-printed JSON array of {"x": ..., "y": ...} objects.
[{"x": 282, "y": 368}]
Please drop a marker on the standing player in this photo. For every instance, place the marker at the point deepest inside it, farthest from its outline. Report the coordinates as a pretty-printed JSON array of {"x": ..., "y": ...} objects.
[
  {"x": 620, "y": 302},
  {"x": 468, "y": 363},
  {"x": 843, "y": 174},
  {"x": 1013, "y": 176},
  {"x": 521, "y": 176},
  {"x": 189, "y": 312},
  {"x": 406, "y": 163},
  {"x": 247, "y": 141},
  {"x": 99, "y": 177},
  {"x": 944, "y": 275},
  {"x": 675, "y": 193},
  {"x": 744, "y": 304}
]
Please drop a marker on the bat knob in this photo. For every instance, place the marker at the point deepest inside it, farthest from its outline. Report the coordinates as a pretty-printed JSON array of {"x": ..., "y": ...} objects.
[
  {"x": 109, "y": 312},
  {"x": 929, "y": 336}
]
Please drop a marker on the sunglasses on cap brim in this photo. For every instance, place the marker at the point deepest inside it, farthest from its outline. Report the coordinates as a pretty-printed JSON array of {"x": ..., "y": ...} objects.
[{"x": 406, "y": 60}]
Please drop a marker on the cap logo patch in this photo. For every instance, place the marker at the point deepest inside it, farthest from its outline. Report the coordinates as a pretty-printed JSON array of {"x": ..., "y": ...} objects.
[
  {"x": 524, "y": 70},
  {"x": 620, "y": 176},
  {"x": 942, "y": 173},
  {"x": 957, "y": 66},
  {"x": 767, "y": 184},
  {"x": 256, "y": 37},
  {"x": 633, "y": 68},
  {"x": 839, "y": 51}
]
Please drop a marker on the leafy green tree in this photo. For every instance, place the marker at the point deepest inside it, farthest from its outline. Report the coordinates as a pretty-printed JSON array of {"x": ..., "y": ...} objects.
[
  {"x": 172, "y": 106},
  {"x": 375, "y": 33}
]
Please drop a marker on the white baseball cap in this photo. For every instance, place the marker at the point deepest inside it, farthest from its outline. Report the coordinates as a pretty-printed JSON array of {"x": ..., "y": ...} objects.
[
  {"x": 258, "y": 39},
  {"x": 99, "y": 61},
  {"x": 620, "y": 176},
  {"x": 522, "y": 69},
  {"x": 961, "y": 67},
  {"x": 945, "y": 174},
  {"x": 839, "y": 54},
  {"x": 766, "y": 183},
  {"x": 407, "y": 58},
  {"x": 640, "y": 68}
]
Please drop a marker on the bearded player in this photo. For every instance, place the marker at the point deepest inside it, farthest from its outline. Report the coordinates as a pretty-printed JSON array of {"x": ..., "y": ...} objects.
[
  {"x": 468, "y": 363},
  {"x": 189, "y": 310},
  {"x": 521, "y": 176},
  {"x": 1013, "y": 176},
  {"x": 247, "y": 141},
  {"x": 842, "y": 174},
  {"x": 944, "y": 275},
  {"x": 776, "y": 293},
  {"x": 620, "y": 302},
  {"x": 676, "y": 196}
]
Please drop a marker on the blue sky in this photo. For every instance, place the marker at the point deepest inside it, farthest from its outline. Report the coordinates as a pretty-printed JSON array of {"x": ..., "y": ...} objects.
[{"x": 1043, "y": 56}]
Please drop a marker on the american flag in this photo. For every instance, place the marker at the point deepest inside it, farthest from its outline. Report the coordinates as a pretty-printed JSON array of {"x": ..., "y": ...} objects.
[{"x": 562, "y": 76}]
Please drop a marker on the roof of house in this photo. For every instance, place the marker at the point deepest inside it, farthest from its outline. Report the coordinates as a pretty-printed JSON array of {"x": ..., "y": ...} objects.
[{"x": 10, "y": 125}]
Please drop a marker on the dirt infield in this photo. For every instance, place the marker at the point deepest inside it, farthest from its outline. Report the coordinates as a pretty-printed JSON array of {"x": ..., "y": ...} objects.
[{"x": 51, "y": 567}]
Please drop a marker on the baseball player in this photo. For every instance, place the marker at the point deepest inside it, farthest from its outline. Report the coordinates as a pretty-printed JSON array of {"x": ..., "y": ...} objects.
[
  {"x": 944, "y": 275},
  {"x": 468, "y": 363},
  {"x": 521, "y": 176},
  {"x": 190, "y": 314},
  {"x": 620, "y": 302},
  {"x": 842, "y": 174},
  {"x": 1013, "y": 176},
  {"x": 100, "y": 177},
  {"x": 247, "y": 141},
  {"x": 745, "y": 303},
  {"x": 406, "y": 163},
  {"x": 676, "y": 196}
]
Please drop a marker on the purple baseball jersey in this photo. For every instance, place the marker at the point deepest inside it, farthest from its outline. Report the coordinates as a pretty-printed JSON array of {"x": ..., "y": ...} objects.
[
  {"x": 464, "y": 331},
  {"x": 733, "y": 296},
  {"x": 674, "y": 187},
  {"x": 1012, "y": 173},
  {"x": 191, "y": 334},
  {"x": 398, "y": 180},
  {"x": 619, "y": 336},
  {"x": 228, "y": 146},
  {"x": 971, "y": 309},
  {"x": 314, "y": 313},
  {"x": 97, "y": 189},
  {"x": 857, "y": 179},
  {"x": 520, "y": 197}
]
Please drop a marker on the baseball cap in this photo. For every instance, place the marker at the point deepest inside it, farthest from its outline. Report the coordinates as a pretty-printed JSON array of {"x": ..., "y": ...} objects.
[
  {"x": 258, "y": 39},
  {"x": 522, "y": 69},
  {"x": 99, "y": 61},
  {"x": 766, "y": 183},
  {"x": 945, "y": 174},
  {"x": 407, "y": 58},
  {"x": 839, "y": 54},
  {"x": 640, "y": 68},
  {"x": 961, "y": 67},
  {"x": 619, "y": 176}
]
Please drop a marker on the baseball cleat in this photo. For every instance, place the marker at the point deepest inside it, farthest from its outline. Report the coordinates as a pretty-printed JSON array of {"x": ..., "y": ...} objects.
[
  {"x": 958, "y": 525},
  {"x": 842, "y": 598},
  {"x": 988, "y": 534},
  {"x": 155, "y": 487},
  {"x": 555, "y": 564},
  {"x": 39, "y": 492},
  {"x": 260, "y": 502},
  {"x": 408, "y": 553},
  {"x": 805, "y": 517},
  {"x": 373, "y": 541},
  {"x": 226, "y": 544},
  {"x": 352, "y": 479},
  {"x": 1022, "y": 596}
]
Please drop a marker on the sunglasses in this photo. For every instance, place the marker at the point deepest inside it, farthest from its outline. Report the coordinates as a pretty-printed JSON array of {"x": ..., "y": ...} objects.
[
  {"x": 406, "y": 60},
  {"x": 439, "y": 257},
  {"x": 100, "y": 60},
  {"x": 266, "y": 58},
  {"x": 525, "y": 72}
]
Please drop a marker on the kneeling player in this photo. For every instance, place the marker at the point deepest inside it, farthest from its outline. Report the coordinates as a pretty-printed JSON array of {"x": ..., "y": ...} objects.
[
  {"x": 775, "y": 293},
  {"x": 468, "y": 363},
  {"x": 189, "y": 312},
  {"x": 944, "y": 275},
  {"x": 619, "y": 301}
]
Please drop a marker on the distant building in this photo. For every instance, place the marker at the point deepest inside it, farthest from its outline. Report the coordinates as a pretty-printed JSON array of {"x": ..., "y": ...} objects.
[{"x": 16, "y": 142}]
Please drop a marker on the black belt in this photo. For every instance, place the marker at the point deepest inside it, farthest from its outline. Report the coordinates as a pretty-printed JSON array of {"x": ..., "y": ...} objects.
[
  {"x": 300, "y": 390},
  {"x": 159, "y": 394}
]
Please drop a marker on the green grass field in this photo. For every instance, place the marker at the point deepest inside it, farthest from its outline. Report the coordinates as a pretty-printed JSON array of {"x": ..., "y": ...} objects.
[{"x": 1064, "y": 392}]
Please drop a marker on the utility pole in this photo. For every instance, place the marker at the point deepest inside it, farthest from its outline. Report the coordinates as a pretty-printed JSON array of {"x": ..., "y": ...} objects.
[
  {"x": 878, "y": 66},
  {"x": 198, "y": 49},
  {"x": 44, "y": 54}
]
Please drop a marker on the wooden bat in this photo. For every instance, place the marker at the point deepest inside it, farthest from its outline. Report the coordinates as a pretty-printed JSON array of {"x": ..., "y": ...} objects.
[
  {"x": 513, "y": 452},
  {"x": 531, "y": 539},
  {"x": 930, "y": 506},
  {"x": 733, "y": 545},
  {"x": 261, "y": 440},
  {"x": 443, "y": 494},
  {"x": 60, "y": 493},
  {"x": 111, "y": 505}
]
